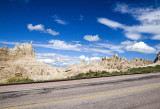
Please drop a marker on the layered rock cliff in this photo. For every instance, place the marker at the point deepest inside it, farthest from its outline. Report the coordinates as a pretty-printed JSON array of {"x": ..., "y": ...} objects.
[
  {"x": 111, "y": 64},
  {"x": 21, "y": 61},
  {"x": 18, "y": 52}
]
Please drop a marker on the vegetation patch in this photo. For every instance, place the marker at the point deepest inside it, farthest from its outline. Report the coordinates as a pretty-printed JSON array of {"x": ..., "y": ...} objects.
[
  {"x": 19, "y": 80},
  {"x": 91, "y": 74}
]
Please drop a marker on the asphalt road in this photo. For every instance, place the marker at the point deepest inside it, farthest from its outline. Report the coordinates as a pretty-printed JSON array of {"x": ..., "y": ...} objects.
[{"x": 140, "y": 91}]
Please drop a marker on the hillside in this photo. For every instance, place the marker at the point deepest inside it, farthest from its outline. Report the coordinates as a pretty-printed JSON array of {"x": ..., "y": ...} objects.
[{"x": 20, "y": 62}]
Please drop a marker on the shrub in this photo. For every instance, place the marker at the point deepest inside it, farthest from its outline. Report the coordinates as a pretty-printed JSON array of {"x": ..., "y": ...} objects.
[{"x": 19, "y": 80}]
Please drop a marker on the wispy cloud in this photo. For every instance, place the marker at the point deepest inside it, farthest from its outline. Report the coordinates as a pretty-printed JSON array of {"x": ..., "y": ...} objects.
[
  {"x": 91, "y": 38},
  {"x": 98, "y": 48},
  {"x": 41, "y": 28},
  {"x": 59, "y": 20},
  {"x": 133, "y": 36},
  {"x": 52, "y": 32},
  {"x": 156, "y": 37},
  {"x": 10, "y": 43},
  {"x": 110, "y": 23},
  {"x": 118, "y": 48},
  {"x": 62, "y": 45},
  {"x": 149, "y": 19}
]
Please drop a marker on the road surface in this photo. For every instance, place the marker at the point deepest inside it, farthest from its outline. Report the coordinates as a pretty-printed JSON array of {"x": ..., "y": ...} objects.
[{"x": 140, "y": 91}]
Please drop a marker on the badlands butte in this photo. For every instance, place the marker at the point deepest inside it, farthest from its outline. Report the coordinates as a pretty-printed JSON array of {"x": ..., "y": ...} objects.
[{"x": 20, "y": 61}]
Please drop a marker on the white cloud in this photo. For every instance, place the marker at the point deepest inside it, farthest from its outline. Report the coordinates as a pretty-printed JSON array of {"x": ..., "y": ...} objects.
[
  {"x": 152, "y": 29},
  {"x": 150, "y": 17},
  {"x": 48, "y": 61},
  {"x": 87, "y": 59},
  {"x": 95, "y": 54},
  {"x": 112, "y": 47},
  {"x": 149, "y": 20},
  {"x": 156, "y": 37},
  {"x": 128, "y": 43},
  {"x": 56, "y": 59},
  {"x": 59, "y": 20},
  {"x": 63, "y": 60},
  {"x": 133, "y": 36},
  {"x": 52, "y": 32},
  {"x": 124, "y": 8},
  {"x": 38, "y": 27},
  {"x": 82, "y": 57},
  {"x": 41, "y": 28},
  {"x": 95, "y": 59},
  {"x": 58, "y": 44},
  {"x": 141, "y": 47},
  {"x": 91, "y": 38},
  {"x": 110, "y": 23},
  {"x": 158, "y": 47},
  {"x": 129, "y": 31}
]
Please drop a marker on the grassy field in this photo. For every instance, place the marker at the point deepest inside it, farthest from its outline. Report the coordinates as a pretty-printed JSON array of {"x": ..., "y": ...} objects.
[{"x": 90, "y": 74}]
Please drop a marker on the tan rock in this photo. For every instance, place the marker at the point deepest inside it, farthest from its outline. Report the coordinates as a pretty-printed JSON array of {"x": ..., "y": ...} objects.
[
  {"x": 20, "y": 61},
  {"x": 157, "y": 58},
  {"x": 156, "y": 61},
  {"x": 111, "y": 64}
]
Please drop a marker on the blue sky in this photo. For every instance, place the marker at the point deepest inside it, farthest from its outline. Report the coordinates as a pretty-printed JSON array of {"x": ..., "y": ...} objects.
[{"x": 67, "y": 31}]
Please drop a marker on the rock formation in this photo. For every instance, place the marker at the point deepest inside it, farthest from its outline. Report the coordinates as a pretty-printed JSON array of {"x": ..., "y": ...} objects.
[
  {"x": 157, "y": 58},
  {"x": 18, "y": 52},
  {"x": 20, "y": 61},
  {"x": 156, "y": 61},
  {"x": 111, "y": 64}
]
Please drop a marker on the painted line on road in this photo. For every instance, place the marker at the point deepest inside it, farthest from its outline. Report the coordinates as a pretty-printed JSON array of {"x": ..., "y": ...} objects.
[{"x": 82, "y": 98}]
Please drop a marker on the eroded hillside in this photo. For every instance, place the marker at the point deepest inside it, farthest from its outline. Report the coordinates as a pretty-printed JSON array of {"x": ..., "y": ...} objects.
[{"x": 20, "y": 61}]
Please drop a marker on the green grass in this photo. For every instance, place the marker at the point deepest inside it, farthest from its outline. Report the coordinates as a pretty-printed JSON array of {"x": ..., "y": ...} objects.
[
  {"x": 19, "y": 80},
  {"x": 91, "y": 74}
]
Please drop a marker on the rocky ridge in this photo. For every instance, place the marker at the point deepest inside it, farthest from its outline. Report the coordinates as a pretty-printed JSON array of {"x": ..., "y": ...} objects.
[
  {"x": 111, "y": 64},
  {"x": 20, "y": 61}
]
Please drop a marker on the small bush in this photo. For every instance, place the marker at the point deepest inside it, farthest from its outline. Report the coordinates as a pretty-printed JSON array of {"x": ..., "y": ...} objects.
[{"x": 19, "y": 80}]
